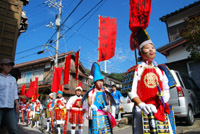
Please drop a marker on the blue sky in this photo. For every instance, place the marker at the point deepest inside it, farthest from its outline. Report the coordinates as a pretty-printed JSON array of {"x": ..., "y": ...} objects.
[{"x": 85, "y": 33}]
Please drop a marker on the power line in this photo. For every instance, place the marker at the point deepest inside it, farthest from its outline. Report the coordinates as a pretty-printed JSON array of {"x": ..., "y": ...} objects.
[{"x": 28, "y": 49}]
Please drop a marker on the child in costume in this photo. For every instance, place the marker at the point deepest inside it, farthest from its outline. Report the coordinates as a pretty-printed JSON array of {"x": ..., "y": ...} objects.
[
  {"x": 76, "y": 110},
  {"x": 49, "y": 104},
  {"x": 31, "y": 113},
  {"x": 38, "y": 108},
  {"x": 59, "y": 110},
  {"x": 147, "y": 79},
  {"x": 100, "y": 119}
]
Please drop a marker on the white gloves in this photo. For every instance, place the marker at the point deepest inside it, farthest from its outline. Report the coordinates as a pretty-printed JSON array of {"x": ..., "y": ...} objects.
[
  {"x": 93, "y": 107},
  {"x": 147, "y": 108},
  {"x": 51, "y": 108},
  {"x": 106, "y": 108}
]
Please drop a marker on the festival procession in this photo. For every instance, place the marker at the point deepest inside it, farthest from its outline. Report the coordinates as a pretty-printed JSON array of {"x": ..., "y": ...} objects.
[{"x": 109, "y": 67}]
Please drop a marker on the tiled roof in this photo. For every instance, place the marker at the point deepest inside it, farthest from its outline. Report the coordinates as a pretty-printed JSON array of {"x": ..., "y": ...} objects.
[
  {"x": 40, "y": 60},
  {"x": 171, "y": 45},
  {"x": 163, "y": 19}
]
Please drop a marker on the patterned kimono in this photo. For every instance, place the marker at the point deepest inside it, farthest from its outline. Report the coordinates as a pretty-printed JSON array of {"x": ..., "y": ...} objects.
[
  {"x": 100, "y": 122},
  {"x": 76, "y": 110},
  {"x": 59, "y": 111}
]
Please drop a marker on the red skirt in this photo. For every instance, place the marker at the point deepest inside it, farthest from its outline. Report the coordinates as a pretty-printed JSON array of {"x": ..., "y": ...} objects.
[
  {"x": 59, "y": 114},
  {"x": 76, "y": 117}
]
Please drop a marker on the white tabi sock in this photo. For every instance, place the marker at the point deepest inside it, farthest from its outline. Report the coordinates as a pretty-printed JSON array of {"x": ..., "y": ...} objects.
[
  {"x": 80, "y": 131},
  {"x": 59, "y": 132},
  {"x": 73, "y": 131},
  {"x": 47, "y": 126}
]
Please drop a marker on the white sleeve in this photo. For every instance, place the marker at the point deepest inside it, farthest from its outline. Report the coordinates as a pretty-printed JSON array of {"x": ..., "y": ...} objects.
[
  {"x": 16, "y": 91},
  {"x": 166, "y": 95},
  {"x": 70, "y": 103},
  {"x": 133, "y": 92}
]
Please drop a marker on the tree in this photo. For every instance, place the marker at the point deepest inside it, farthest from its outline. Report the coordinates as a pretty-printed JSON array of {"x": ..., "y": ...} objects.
[{"x": 192, "y": 34}]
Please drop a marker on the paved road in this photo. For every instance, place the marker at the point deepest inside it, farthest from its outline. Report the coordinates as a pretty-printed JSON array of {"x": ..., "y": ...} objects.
[{"x": 181, "y": 128}]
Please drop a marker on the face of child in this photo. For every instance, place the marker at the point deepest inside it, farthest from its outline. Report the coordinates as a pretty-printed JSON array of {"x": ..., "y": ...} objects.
[
  {"x": 59, "y": 95},
  {"x": 148, "y": 52},
  {"x": 78, "y": 92},
  {"x": 99, "y": 84}
]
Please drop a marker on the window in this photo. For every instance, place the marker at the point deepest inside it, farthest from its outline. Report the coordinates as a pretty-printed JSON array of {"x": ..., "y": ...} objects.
[{"x": 30, "y": 75}]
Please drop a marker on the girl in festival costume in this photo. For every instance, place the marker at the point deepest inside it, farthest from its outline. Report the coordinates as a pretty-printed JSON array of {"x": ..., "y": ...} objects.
[
  {"x": 100, "y": 119},
  {"x": 49, "y": 104},
  {"x": 38, "y": 108},
  {"x": 59, "y": 110},
  {"x": 76, "y": 110},
  {"x": 148, "y": 78}
]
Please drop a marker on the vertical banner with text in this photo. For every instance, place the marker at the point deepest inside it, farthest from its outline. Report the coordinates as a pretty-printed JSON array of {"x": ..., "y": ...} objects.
[
  {"x": 56, "y": 79},
  {"x": 77, "y": 55},
  {"x": 67, "y": 69},
  {"x": 107, "y": 38},
  {"x": 139, "y": 18}
]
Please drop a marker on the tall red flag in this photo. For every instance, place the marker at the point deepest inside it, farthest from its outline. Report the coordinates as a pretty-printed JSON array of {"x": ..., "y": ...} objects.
[
  {"x": 23, "y": 93},
  {"x": 31, "y": 90},
  {"x": 56, "y": 79},
  {"x": 67, "y": 69},
  {"x": 139, "y": 18},
  {"x": 77, "y": 63},
  {"x": 36, "y": 87},
  {"x": 107, "y": 38}
]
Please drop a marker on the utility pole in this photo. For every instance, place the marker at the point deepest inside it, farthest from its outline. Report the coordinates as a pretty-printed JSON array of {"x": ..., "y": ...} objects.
[{"x": 53, "y": 3}]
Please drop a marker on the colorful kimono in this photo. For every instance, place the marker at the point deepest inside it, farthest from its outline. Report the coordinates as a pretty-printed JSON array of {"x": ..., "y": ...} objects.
[
  {"x": 59, "y": 111},
  {"x": 145, "y": 86},
  {"x": 76, "y": 110},
  {"x": 101, "y": 121}
]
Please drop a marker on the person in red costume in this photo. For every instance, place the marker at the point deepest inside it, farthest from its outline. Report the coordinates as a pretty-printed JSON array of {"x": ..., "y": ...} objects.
[
  {"x": 146, "y": 79},
  {"x": 49, "y": 104},
  {"x": 37, "y": 108},
  {"x": 59, "y": 110},
  {"x": 76, "y": 110}
]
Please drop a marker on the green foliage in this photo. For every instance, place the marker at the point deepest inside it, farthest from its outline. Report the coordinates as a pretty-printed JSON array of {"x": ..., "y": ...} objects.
[
  {"x": 118, "y": 76},
  {"x": 192, "y": 34}
]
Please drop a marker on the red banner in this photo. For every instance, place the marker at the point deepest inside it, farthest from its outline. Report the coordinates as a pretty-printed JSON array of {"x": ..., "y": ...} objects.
[
  {"x": 56, "y": 79},
  {"x": 77, "y": 63},
  {"x": 139, "y": 17},
  {"x": 67, "y": 69},
  {"x": 107, "y": 38},
  {"x": 23, "y": 93},
  {"x": 36, "y": 87},
  {"x": 31, "y": 90}
]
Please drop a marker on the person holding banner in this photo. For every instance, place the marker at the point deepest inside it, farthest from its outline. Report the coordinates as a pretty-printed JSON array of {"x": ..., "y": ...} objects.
[
  {"x": 100, "y": 119},
  {"x": 150, "y": 90},
  {"x": 59, "y": 110},
  {"x": 38, "y": 108},
  {"x": 76, "y": 110},
  {"x": 49, "y": 104}
]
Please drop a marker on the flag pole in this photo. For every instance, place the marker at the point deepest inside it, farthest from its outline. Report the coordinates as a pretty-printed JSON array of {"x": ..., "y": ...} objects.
[
  {"x": 105, "y": 66},
  {"x": 98, "y": 37}
]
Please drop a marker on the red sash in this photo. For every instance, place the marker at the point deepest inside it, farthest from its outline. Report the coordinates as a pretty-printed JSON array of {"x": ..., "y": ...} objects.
[
  {"x": 77, "y": 103},
  {"x": 147, "y": 91}
]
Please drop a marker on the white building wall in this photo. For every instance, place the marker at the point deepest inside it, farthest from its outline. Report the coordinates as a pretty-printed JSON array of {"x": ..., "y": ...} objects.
[{"x": 177, "y": 54}]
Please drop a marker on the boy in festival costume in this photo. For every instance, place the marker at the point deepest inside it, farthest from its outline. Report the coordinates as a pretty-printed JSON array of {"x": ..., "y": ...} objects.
[
  {"x": 100, "y": 119},
  {"x": 76, "y": 110},
  {"x": 147, "y": 79},
  {"x": 49, "y": 104},
  {"x": 31, "y": 112},
  {"x": 38, "y": 108},
  {"x": 59, "y": 110}
]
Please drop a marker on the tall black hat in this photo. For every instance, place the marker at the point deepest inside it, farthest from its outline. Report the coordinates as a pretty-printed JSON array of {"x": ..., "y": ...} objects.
[{"x": 140, "y": 39}]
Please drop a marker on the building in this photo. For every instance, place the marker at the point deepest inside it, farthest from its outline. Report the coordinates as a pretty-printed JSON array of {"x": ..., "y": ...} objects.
[
  {"x": 13, "y": 21},
  {"x": 44, "y": 69},
  {"x": 178, "y": 58}
]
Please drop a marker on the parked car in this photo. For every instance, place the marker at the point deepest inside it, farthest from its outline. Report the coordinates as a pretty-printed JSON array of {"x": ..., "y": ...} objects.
[
  {"x": 185, "y": 97},
  {"x": 127, "y": 104}
]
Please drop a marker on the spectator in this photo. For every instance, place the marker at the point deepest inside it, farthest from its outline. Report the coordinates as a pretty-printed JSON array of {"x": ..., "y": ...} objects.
[
  {"x": 8, "y": 96},
  {"x": 118, "y": 99},
  {"x": 16, "y": 73}
]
